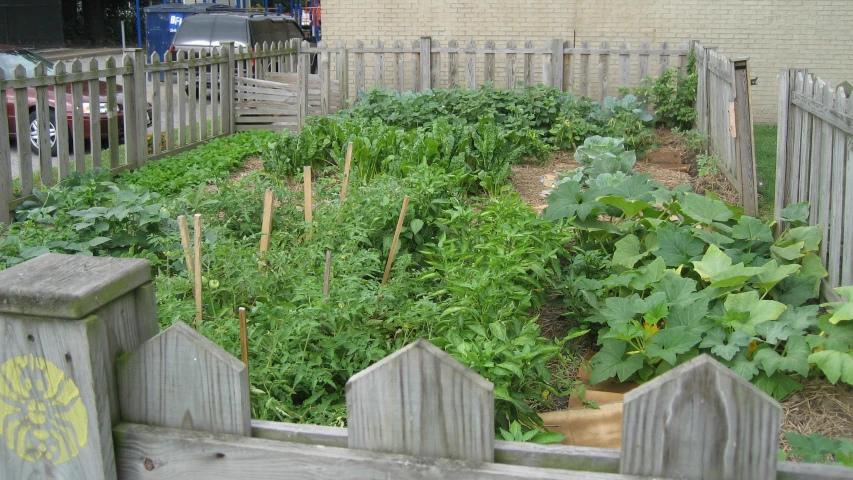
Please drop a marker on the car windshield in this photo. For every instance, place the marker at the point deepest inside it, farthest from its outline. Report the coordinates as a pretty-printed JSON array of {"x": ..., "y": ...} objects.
[{"x": 10, "y": 59}]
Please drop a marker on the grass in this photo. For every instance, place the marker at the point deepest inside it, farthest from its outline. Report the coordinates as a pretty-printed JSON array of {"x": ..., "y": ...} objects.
[{"x": 765, "y": 166}]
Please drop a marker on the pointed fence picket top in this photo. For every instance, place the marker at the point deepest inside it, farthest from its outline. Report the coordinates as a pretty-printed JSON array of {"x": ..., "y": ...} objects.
[
  {"x": 420, "y": 401},
  {"x": 700, "y": 413},
  {"x": 179, "y": 379}
]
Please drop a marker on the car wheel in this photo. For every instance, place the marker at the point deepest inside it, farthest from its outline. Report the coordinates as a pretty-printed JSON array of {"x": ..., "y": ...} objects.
[{"x": 34, "y": 133}]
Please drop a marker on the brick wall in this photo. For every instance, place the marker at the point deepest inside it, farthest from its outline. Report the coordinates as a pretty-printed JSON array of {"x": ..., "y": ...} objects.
[{"x": 774, "y": 34}]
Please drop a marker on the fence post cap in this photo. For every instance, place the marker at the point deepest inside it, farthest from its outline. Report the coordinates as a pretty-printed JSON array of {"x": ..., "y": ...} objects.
[
  {"x": 169, "y": 380},
  {"x": 700, "y": 413},
  {"x": 69, "y": 286},
  {"x": 424, "y": 403}
]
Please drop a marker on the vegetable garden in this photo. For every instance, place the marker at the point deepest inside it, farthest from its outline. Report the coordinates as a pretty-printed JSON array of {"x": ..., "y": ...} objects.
[{"x": 652, "y": 276}]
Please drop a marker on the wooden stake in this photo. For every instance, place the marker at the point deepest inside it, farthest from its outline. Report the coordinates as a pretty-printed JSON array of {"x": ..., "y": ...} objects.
[
  {"x": 309, "y": 214},
  {"x": 197, "y": 268},
  {"x": 347, "y": 165},
  {"x": 396, "y": 239},
  {"x": 266, "y": 226},
  {"x": 185, "y": 242},
  {"x": 244, "y": 342},
  {"x": 328, "y": 273}
]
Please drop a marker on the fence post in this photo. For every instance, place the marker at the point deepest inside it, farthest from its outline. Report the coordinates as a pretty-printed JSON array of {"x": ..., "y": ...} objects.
[
  {"x": 5, "y": 162},
  {"x": 786, "y": 82},
  {"x": 426, "y": 56},
  {"x": 342, "y": 65},
  {"x": 227, "y": 73},
  {"x": 179, "y": 379},
  {"x": 140, "y": 103},
  {"x": 700, "y": 420},
  {"x": 64, "y": 318},
  {"x": 420, "y": 401},
  {"x": 557, "y": 63},
  {"x": 324, "y": 69},
  {"x": 745, "y": 142},
  {"x": 302, "y": 84}
]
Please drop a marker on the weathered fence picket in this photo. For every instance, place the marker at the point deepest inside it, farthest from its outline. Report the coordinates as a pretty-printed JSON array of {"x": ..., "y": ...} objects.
[
  {"x": 814, "y": 163},
  {"x": 724, "y": 116},
  {"x": 418, "y": 413}
]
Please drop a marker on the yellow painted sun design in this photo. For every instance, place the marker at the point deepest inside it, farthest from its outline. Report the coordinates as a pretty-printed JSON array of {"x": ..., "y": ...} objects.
[{"x": 42, "y": 417}]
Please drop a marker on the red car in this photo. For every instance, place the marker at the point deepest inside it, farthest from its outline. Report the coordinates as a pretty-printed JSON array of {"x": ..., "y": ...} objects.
[{"x": 11, "y": 57}]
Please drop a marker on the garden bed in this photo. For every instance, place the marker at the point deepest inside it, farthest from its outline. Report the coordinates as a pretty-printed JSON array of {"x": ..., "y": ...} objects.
[{"x": 632, "y": 262}]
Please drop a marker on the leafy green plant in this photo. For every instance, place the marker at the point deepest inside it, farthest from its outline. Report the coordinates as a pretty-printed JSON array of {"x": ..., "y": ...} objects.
[
  {"x": 817, "y": 448},
  {"x": 673, "y": 96}
]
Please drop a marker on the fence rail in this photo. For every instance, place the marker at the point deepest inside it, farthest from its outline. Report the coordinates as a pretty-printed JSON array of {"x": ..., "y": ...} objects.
[
  {"x": 126, "y": 402},
  {"x": 724, "y": 115},
  {"x": 585, "y": 69},
  {"x": 814, "y": 163}
]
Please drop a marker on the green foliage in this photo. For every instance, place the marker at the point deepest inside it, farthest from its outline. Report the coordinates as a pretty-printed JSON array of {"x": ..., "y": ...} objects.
[
  {"x": 689, "y": 274},
  {"x": 673, "y": 96},
  {"x": 817, "y": 448},
  {"x": 210, "y": 161}
]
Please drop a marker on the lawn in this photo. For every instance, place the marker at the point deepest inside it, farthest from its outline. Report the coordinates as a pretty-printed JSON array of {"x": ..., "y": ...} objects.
[{"x": 765, "y": 166}]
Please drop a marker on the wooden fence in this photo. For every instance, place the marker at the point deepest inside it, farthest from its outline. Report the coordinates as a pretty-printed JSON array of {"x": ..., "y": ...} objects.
[
  {"x": 724, "y": 115},
  {"x": 589, "y": 70},
  {"x": 187, "y": 100},
  {"x": 814, "y": 163},
  {"x": 89, "y": 390}
]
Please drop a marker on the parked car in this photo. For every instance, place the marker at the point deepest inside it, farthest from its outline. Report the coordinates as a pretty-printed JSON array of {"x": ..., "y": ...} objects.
[
  {"x": 11, "y": 57},
  {"x": 208, "y": 30}
]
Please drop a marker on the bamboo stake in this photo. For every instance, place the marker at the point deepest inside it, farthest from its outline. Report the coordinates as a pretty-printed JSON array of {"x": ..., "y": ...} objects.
[
  {"x": 266, "y": 226},
  {"x": 197, "y": 268},
  {"x": 396, "y": 239},
  {"x": 244, "y": 342},
  {"x": 327, "y": 276},
  {"x": 347, "y": 165},
  {"x": 185, "y": 242}
]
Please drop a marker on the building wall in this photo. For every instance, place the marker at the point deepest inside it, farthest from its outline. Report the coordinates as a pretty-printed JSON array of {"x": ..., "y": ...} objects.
[{"x": 774, "y": 34}]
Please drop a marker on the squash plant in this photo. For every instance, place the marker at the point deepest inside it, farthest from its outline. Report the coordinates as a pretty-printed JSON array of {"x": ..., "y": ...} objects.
[{"x": 689, "y": 274}]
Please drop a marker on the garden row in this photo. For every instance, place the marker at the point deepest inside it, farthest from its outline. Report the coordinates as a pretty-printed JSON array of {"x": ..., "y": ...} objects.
[{"x": 656, "y": 275}]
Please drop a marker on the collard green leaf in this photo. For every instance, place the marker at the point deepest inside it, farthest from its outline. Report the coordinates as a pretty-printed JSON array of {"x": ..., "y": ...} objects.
[
  {"x": 705, "y": 210},
  {"x": 627, "y": 251},
  {"x": 611, "y": 360},
  {"x": 677, "y": 246}
]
